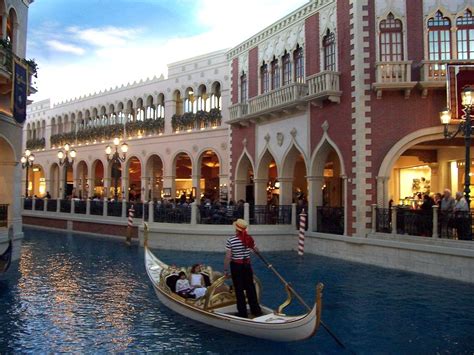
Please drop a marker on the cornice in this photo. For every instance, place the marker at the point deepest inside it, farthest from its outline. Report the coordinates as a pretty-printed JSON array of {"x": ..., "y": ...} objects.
[{"x": 299, "y": 14}]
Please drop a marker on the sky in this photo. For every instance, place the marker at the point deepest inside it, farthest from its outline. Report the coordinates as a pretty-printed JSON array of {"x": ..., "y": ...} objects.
[{"x": 83, "y": 46}]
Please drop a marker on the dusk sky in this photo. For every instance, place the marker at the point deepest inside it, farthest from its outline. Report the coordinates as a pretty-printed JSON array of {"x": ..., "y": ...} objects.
[{"x": 83, "y": 46}]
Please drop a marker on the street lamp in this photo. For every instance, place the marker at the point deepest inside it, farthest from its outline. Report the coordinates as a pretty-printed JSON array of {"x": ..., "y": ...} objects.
[
  {"x": 66, "y": 157},
  {"x": 26, "y": 162},
  {"x": 116, "y": 158},
  {"x": 465, "y": 128}
]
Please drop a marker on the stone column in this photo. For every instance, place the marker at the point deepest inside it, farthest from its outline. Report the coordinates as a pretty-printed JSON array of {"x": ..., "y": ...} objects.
[
  {"x": 315, "y": 198},
  {"x": 260, "y": 191},
  {"x": 91, "y": 187},
  {"x": 196, "y": 178},
  {"x": 73, "y": 206},
  {"x": 382, "y": 191},
  {"x": 247, "y": 212},
  {"x": 374, "y": 217},
  {"x": 170, "y": 182},
  {"x": 124, "y": 208},
  {"x": 286, "y": 191},
  {"x": 107, "y": 181},
  {"x": 193, "y": 213},
  {"x": 435, "y": 222},
  {"x": 151, "y": 211},
  {"x": 145, "y": 188},
  {"x": 394, "y": 220},
  {"x": 170, "y": 110},
  {"x": 88, "y": 206},
  {"x": 45, "y": 205},
  {"x": 104, "y": 211},
  {"x": 125, "y": 192}
]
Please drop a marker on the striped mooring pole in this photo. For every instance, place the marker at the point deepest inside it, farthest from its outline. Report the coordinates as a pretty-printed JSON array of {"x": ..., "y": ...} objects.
[
  {"x": 301, "y": 233},
  {"x": 131, "y": 214}
]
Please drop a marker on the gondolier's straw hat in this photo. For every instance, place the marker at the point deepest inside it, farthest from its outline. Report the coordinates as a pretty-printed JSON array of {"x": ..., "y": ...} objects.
[{"x": 240, "y": 224}]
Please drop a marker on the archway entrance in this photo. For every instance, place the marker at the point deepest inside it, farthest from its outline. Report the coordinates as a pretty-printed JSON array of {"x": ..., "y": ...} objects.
[
  {"x": 37, "y": 182},
  {"x": 134, "y": 169},
  {"x": 183, "y": 177},
  {"x": 244, "y": 185},
  {"x": 81, "y": 180},
  {"x": 292, "y": 181},
  {"x": 97, "y": 179},
  {"x": 266, "y": 185},
  {"x": 209, "y": 177},
  {"x": 154, "y": 173}
]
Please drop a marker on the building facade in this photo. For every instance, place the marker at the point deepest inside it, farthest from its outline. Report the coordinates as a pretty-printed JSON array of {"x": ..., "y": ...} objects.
[
  {"x": 13, "y": 29},
  {"x": 339, "y": 101},
  {"x": 335, "y": 107},
  {"x": 175, "y": 129}
]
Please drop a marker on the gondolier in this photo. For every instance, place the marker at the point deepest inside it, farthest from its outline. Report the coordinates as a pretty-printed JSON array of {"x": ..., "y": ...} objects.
[{"x": 238, "y": 257}]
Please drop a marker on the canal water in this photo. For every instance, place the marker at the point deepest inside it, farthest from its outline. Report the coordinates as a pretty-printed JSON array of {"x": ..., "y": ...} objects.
[{"x": 74, "y": 293}]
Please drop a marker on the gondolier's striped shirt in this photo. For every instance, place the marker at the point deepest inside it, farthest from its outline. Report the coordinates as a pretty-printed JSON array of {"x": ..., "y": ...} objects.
[{"x": 237, "y": 248}]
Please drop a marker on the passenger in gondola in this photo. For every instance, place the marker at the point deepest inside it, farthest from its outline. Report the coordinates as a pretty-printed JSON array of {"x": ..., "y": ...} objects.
[
  {"x": 197, "y": 281},
  {"x": 183, "y": 288}
]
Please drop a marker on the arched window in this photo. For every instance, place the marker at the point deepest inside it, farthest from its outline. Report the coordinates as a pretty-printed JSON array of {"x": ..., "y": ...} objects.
[
  {"x": 265, "y": 78},
  {"x": 298, "y": 58},
  {"x": 329, "y": 49},
  {"x": 189, "y": 104},
  {"x": 286, "y": 69},
  {"x": 465, "y": 35},
  {"x": 215, "y": 101},
  {"x": 275, "y": 74},
  {"x": 439, "y": 37},
  {"x": 391, "y": 44},
  {"x": 243, "y": 88},
  {"x": 160, "y": 106}
]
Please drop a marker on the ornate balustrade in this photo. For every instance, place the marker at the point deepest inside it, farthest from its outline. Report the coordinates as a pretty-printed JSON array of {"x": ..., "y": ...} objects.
[
  {"x": 324, "y": 86},
  {"x": 272, "y": 101},
  {"x": 238, "y": 110},
  {"x": 394, "y": 75}
]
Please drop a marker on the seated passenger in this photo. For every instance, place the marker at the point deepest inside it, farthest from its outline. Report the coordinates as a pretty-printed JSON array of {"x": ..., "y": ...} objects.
[
  {"x": 183, "y": 288},
  {"x": 197, "y": 281}
]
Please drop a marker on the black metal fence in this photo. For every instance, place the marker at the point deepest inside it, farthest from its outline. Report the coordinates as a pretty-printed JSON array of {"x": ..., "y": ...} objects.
[
  {"x": 3, "y": 215},
  {"x": 383, "y": 220},
  {"x": 146, "y": 208},
  {"x": 80, "y": 206},
  {"x": 171, "y": 214},
  {"x": 39, "y": 205},
  {"x": 455, "y": 225},
  {"x": 65, "y": 206},
  {"x": 27, "y": 204},
  {"x": 114, "y": 209},
  {"x": 330, "y": 220},
  {"x": 219, "y": 214},
  {"x": 264, "y": 214},
  {"x": 52, "y": 205},
  {"x": 97, "y": 207}
]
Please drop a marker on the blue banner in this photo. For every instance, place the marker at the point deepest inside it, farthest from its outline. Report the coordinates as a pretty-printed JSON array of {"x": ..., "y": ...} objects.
[{"x": 20, "y": 89}]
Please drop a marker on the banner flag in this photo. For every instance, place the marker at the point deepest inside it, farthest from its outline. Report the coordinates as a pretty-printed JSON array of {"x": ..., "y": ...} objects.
[{"x": 20, "y": 91}]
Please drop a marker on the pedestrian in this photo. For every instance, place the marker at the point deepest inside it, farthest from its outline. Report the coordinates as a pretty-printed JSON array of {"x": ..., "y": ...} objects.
[
  {"x": 237, "y": 255},
  {"x": 446, "y": 214},
  {"x": 462, "y": 217}
]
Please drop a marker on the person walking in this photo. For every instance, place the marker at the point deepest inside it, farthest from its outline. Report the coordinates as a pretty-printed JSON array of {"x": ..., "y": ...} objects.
[{"x": 238, "y": 257}]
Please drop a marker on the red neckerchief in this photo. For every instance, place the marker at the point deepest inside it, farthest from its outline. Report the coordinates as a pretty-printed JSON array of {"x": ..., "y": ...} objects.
[{"x": 246, "y": 239}]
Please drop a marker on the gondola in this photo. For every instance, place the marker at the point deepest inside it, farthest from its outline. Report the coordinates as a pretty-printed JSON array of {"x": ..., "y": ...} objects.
[
  {"x": 217, "y": 308},
  {"x": 6, "y": 258}
]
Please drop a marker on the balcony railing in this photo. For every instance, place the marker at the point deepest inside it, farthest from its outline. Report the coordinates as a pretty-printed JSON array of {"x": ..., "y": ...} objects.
[
  {"x": 277, "y": 99},
  {"x": 393, "y": 76},
  {"x": 324, "y": 86},
  {"x": 264, "y": 214},
  {"x": 219, "y": 214},
  {"x": 3, "y": 215},
  {"x": 238, "y": 110}
]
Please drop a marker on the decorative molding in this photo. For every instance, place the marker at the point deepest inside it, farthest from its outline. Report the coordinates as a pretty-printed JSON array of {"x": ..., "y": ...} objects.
[
  {"x": 280, "y": 137},
  {"x": 244, "y": 142},
  {"x": 325, "y": 126},
  {"x": 168, "y": 151},
  {"x": 267, "y": 137},
  {"x": 224, "y": 146},
  {"x": 293, "y": 132},
  {"x": 195, "y": 148}
]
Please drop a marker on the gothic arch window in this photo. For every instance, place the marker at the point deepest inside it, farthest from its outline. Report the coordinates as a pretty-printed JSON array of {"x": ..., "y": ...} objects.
[
  {"x": 329, "y": 51},
  {"x": 265, "y": 78},
  {"x": 465, "y": 35},
  {"x": 243, "y": 88},
  {"x": 298, "y": 58},
  {"x": 439, "y": 37},
  {"x": 286, "y": 62},
  {"x": 391, "y": 39},
  {"x": 275, "y": 74}
]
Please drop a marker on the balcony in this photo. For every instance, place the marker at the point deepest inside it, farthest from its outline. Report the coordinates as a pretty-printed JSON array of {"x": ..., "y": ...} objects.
[
  {"x": 323, "y": 86},
  {"x": 284, "y": 100},
  {"x": 434, "y": 74},
  {"x": 238, "y": 110},
  {"x": 6, "y": 57},
  {"x": 392, "y": 76}
]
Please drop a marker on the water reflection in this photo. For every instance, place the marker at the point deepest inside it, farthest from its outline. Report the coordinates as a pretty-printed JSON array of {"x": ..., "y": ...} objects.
[{"x": 74, "y": 293}]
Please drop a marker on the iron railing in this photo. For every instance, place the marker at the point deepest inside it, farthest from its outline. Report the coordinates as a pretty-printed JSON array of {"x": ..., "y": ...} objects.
[
  {"x": 39, "y": 205},
  {"x": 80, "y": 206},
  {"x": 27, "y": 204},
  {"x": 3, "y": 215},
  {"x": 171, "y": 214},
  {"x": 97, "y": 207},
  {"x": 114, "y": 209},
  {"x": 52, "y": 205},
  {"x": 65, "y": 206},
  {"x": 383, "y": 220},
  {"x": 330, "y": 220},
  {"x": 265, "y": 214},
  {"x": 455, "y": 225},
  {"x": 219, "y": 214},
  {"x": 414, "y": 222}
]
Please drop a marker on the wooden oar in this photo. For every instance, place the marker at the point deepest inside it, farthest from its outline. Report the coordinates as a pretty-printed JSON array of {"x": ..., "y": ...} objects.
[{"x": 270, "y": 266}]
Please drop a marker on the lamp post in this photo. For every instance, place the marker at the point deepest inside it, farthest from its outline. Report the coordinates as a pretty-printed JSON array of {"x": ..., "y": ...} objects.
[
  {"x": 465, "y": 128},
  {"x": 66, "y": 157},
  {"x": 26, "y": 162},
  {"x": 116, "y": 158}
]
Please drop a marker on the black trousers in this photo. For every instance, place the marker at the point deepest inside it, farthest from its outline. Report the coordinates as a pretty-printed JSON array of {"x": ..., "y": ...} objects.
[{"x": 242, "y": 278}]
